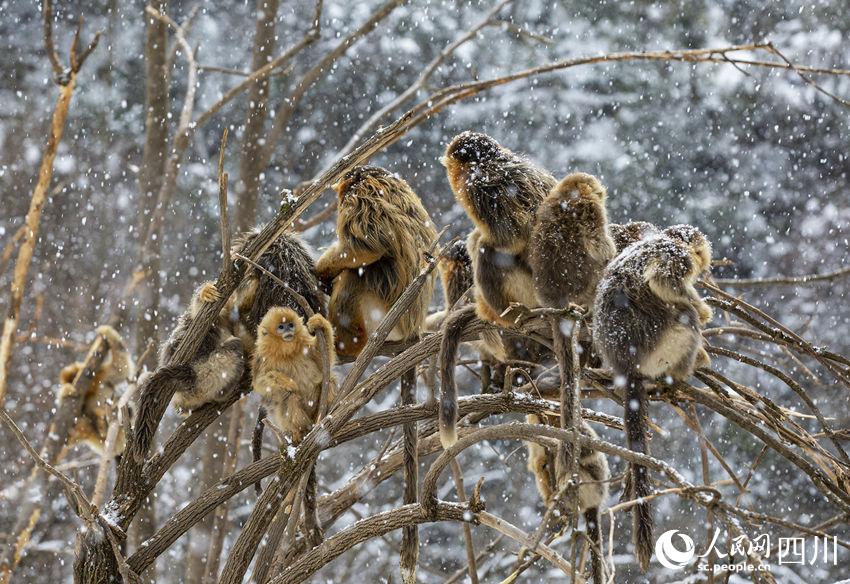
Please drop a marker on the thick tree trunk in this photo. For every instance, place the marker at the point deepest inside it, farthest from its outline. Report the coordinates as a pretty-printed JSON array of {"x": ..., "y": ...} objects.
[
  {"x": 150, "y": 181},
  {"x": 251, "y": 165}
]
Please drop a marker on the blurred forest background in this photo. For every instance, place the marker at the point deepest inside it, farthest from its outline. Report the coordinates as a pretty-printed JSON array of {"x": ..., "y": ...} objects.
[{"x": 758, "y": 159}]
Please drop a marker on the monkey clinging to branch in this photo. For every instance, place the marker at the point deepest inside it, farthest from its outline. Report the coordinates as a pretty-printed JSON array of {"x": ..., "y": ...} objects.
[
  {"x": 647, "y": 326},
  {"x": 287, "y": 369},
  {"x": 383, "y": 231},
  {"x": 570, "y": 244},
  {"x": 593, "y": 475},
  {"x": 500, "y": 192},
  {"x": 208, "y": 377},
  {"x": 92, "y": 424}
]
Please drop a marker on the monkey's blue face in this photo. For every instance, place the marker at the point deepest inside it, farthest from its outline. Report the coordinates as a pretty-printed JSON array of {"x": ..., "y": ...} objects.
[{"x": 286, "y": 330}]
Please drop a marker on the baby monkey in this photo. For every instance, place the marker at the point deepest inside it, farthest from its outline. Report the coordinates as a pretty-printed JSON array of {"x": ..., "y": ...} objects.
[
  {"x": 287, "y": 369},
  {"x": 92, "y": 424},
  {"x": 647, "y": 325}
]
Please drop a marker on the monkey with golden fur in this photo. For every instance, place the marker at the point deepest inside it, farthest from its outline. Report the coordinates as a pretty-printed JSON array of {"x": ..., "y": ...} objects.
[
  {"x": 209, "y": 377},
  {"x": 383, "y": 232},
  {"x": 287, "y": 369},
  {"x": 647, "y": 325},
  {"x": 92, "y": 424},
  {"x": 570, "y": 244},
  {"x": 500, "y": 191},
  {"x": 594, "y": 476}
]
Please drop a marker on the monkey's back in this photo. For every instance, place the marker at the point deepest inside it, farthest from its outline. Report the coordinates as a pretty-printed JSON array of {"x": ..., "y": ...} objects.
[
  {"x": 625, "y": 234},
  {"x": 501, "y": 196},
  {"x": 393, "y": 222},
  {"x": 569, "y": 249},
  {"x": 288, "y": 259},
  {"x": 630, "y": 319}
]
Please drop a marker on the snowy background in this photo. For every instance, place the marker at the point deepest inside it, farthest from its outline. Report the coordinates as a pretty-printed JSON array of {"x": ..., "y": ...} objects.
[{"x": 758, "y": 161}]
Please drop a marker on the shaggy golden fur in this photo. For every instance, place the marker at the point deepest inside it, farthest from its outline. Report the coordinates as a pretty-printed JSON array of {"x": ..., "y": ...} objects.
[
  {"x": 115, "y": 369},
  {"x": 288, "y": 259},
  {"x": 383, "y": 233},
  {"x": 287, "y": 369}
]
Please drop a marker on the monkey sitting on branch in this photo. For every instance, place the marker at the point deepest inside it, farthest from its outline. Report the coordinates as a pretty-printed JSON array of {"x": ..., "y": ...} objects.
[
  {"x": 570, "y": 244},
  {"x": 287, "y": 369},
  {"x": 287, "y": 374},
  {"x": 625, "y": 234},
  {"x": 286, "y": 261},
  {"x": 209, "y": 377},
  {"x": 647, "y": 325},
  {"x": 383, "y": 231},
  {"x": 92, "y": 424},
  {"x": 594, "y": 476},
  {"x": 500, "y": 191}
]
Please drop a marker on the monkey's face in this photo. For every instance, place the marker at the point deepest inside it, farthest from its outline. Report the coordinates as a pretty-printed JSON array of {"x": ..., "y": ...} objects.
[
  {"x": 469, "y": 148},
  {"x": 283, "y": 328},
  {"x": 286, "y": 330}
]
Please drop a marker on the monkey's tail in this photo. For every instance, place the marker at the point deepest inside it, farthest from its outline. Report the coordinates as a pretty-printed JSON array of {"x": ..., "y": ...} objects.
[
  {"x": 452, "y": 327},
  {"x": 594, "y": 534},
  {"x": 257, "y": 442},
  {"x": 155, "y": 394},
  {"x": 636, "y": 431}
]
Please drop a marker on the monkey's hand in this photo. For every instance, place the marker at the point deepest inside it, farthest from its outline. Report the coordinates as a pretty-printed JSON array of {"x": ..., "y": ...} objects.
[
  {"x": 272, "y": 383},
  {"x": 208, "y": 293},
  {"x": 704, "y": 312},
  {"x": 338, "y": 258},
  {"x": 111, "y": 335}
]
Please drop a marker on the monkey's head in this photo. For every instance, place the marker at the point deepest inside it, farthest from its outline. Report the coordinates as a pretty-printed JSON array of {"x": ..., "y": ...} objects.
[
  {"x": 282, "y": 333},
  {"x": 695, "y": 242},
  {"x": 369, "y": 181},
  {"x": 471, "y": 148},
  {"x": 581, "y": 185}
]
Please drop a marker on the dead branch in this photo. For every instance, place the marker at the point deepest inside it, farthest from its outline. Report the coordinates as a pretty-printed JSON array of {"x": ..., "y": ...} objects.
[
  {"x": 784, "y": 280},
  {"x": 386, "y": 522}
]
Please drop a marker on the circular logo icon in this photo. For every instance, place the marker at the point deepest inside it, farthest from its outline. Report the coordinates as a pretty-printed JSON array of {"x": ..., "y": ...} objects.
[{"x": 668, "y": 555}]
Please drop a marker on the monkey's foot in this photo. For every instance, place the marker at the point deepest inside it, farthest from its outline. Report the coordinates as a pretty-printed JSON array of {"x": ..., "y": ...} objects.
[
  {"x": 703, "y": 359},
  {"x": 208, "y": 293}
]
